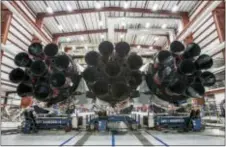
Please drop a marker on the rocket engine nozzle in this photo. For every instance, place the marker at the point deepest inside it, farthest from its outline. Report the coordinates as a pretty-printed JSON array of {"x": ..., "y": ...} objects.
[
  {"x": 112, "y": 69},
  {"x": 204, "y": 62},
  {"x": 120, "y": 90},
  {"x": 177, "y": 85},
  {"x": 92, "y": 58},
  {"x": 24, "y": 90},
  {"x": 195, "y": 90},
  {"x": 176, "y": 47},
  {"x": 57, "y": 79},
  {"x": 100, "y": 87},
  {"x": 22, "y": 59},
  {"x": 192, "y": 50},
  {"x": 51, "y": 50},
  {"x": 187, "y": 67},
  {"x": 17, "y": 75},
  {"x": 38, "y": 68},
  {"x": 135, "y": 78},
  {"x": 207, "y": 78},
  {"x": 122, "y": 49},
  {"x": 42, "y": 91},
  {"x": 62, "y": 62},
  {"x": 90, "y": 74},
  {"x": 106, "y": 48},
  {"x": 35, "y": 49},
  {"x": 164, "y": 57},
  {"x": 134, "y": 61}
]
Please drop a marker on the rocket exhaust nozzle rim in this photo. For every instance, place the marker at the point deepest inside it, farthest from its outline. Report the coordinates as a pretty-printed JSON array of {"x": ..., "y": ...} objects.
[
  {"x": 192, "y": 50},
  {"x": 134, "y": 61},
  {"x": 106, "y": 48},
  {"x": 24, "y": 90},
  {"x": 195, "y": 90},
  {"x": 62, "y": 62},
  {"x": 164, "y": 57},
  {"x": 92, "y": 58},
  {"x": 207, "y": 78},
  {"x": 51, "y": 50},
  {"x": 112, "y": 69},
  {"x": 22, "y": 59},
  {"x": 177, "y": 47},
  {"x": 187, "y": 67},
  {"x": 57, "y": 79},
  {"x": 122, "y": 48},
  {"x": 38, "y": 68},
  {"x": 42, "y": 91},
  {"x": 204, "y": 62},
  {"x": 36, "y": 49},
  {"x": 17, "y": 75},
  {"x": 100, "y": 87}
]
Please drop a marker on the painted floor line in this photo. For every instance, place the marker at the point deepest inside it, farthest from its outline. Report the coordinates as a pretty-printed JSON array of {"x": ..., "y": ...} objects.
[
  {"x": 69, "y": 139},
  {"x": 157, "y": 139},
  {"x": 142, "y": 139},
  {"x": 82, "y": 140},
  {"x": 113, "y": 140}
]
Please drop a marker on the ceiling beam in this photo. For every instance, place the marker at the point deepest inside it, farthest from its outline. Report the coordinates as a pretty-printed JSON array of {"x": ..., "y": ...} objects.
[
  {"x": 96, "y": 45},
  {"x": 97, "y": 31},
  {"x": 192, "y": 25},
  {"x": 215, "y": 91},
  {"x": 110, "y": 9},
  {"x": 7, "y": 18},
  {"x": 17, "y": 10},
  {"x": 146, "y": 46}
]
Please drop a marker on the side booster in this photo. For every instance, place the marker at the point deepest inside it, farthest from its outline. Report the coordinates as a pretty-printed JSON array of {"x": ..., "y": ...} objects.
[
  {"x": 49, "y": 76},
  {"x": 176, "y": 74},
  {"x": 112, "y": 73}
]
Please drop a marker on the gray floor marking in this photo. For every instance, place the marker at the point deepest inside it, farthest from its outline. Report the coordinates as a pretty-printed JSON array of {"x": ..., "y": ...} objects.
[
  {"x": 82, "y": 140},
  {"x": 142, "y": 139}
]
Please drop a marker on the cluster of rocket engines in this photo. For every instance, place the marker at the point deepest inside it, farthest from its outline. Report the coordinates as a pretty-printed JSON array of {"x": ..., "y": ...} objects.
[
  {"x": 45, "y": 74},
  {"x": 112, "y": 74},
  {"x": 180, "y": 73}
]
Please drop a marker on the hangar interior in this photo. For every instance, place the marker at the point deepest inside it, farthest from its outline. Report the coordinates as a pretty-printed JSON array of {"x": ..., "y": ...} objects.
[{"x": 111, "y": 73}]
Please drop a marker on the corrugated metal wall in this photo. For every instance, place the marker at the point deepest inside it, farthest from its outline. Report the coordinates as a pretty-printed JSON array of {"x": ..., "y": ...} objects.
[
  {"x": 18, "y": 40},
  {"x": 206, "y": 34}
]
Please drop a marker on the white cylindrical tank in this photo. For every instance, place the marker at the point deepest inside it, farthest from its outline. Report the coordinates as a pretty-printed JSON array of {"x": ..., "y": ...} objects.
[
  {"x": 74, "y": 121},
  {"x": 151, "y": 122}
]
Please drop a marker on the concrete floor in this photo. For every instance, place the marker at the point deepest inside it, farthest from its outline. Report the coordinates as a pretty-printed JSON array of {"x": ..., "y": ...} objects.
[{"x": 138, "y": 138}]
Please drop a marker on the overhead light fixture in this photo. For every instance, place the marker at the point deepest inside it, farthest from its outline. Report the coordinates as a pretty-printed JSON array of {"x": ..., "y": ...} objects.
[
  {"x": 68, "y": 39},
  {"x": 147, "y": 25},
  {"x": 123, "y": 24},
  {"x": 155, "y": 7},
  {"x": 69, "y": 8},
  {"x": 60, "y": 27},
  {"x": 101, "y": 23},
  {"x": 86, "y": 47},
  {"x": 138, "y": 46},
  {"x": 164, "y": 26},
  {"x": 102, "y": 36},
  {"x": 76, "y": 26},
  {"x": 49, "y": 10},
  {"x": 126, "y": 5},
  {"x": 98, "y": 5},
  {"x": 151, "y": 47},
  {"x": 175, "y": 8},
  {"x": 156, "y": 38}
]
